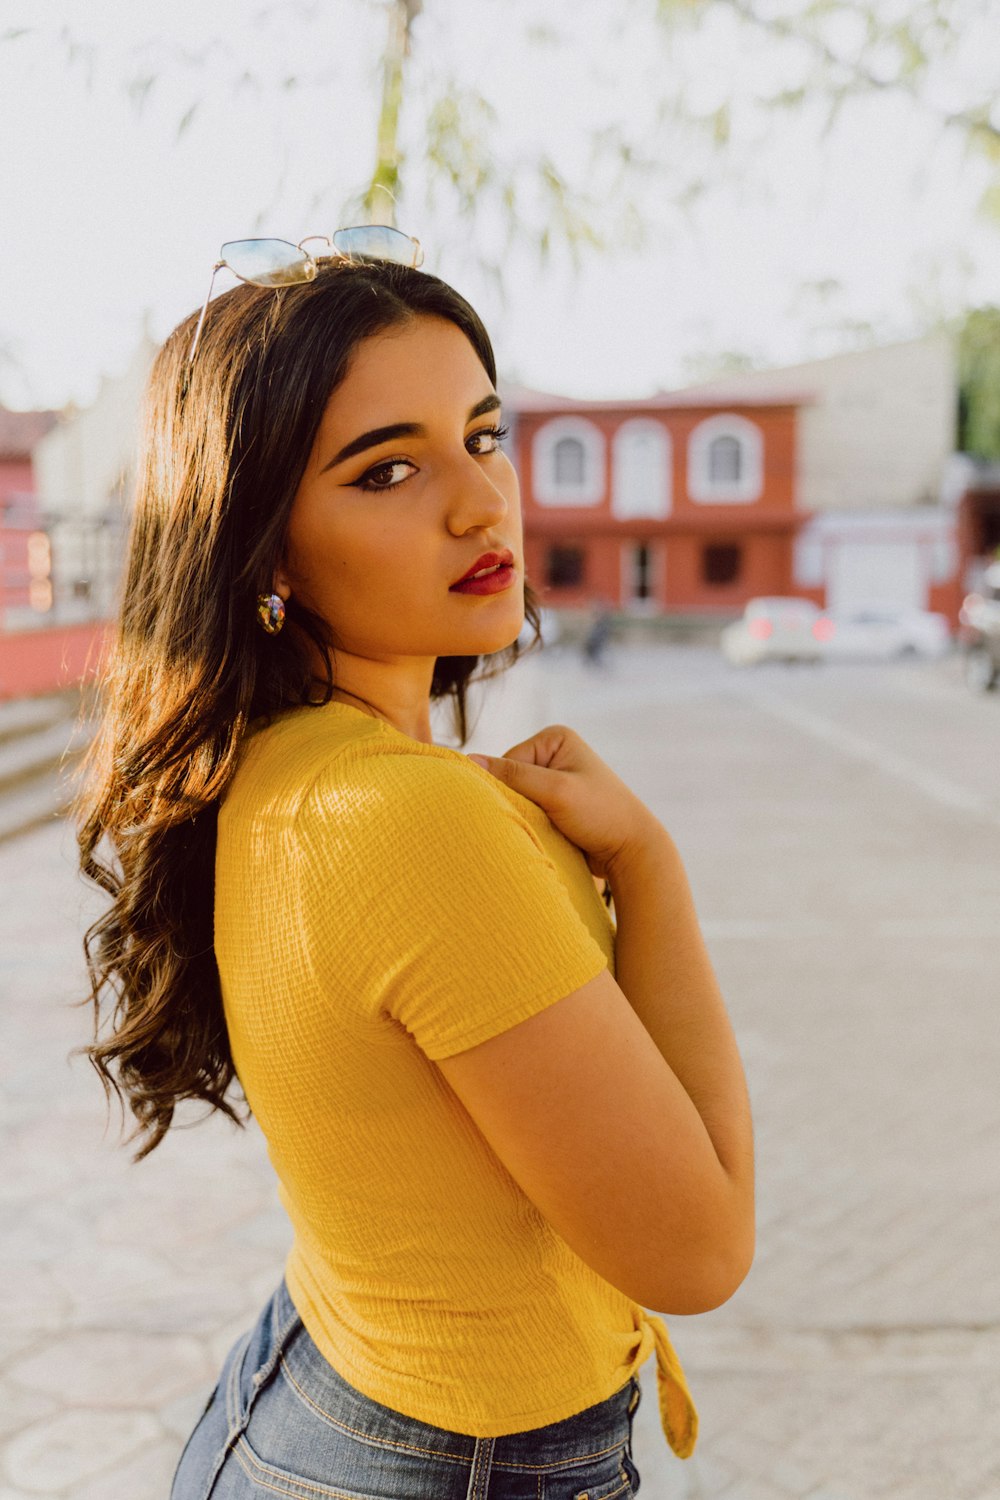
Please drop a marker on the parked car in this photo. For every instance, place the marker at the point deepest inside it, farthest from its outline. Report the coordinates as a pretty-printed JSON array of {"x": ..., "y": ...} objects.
[
  {"x": 776, "y": 629},
  {"x": 881, "y": 631},
  {"x": 980, "y": 619}
]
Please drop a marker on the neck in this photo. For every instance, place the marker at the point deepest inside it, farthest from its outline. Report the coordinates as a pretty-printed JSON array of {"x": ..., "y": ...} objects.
[{"x": 398, "y": 692}]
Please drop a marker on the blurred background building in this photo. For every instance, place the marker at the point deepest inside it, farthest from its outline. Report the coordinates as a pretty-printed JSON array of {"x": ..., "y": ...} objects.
[
  {"x": 23, "y": 542},
  {"x": 824, "y": 479},
  {"x": 84, "y": 474},
  {"x": 66, "y": 487},
  {"x": 675, "y": 503},
  {"x": 836, "y": 480}
]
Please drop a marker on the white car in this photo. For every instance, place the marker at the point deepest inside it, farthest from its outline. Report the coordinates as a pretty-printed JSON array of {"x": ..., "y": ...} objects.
[
  {"x": 776, "y": 629},
  {"x": 881, "y": 631}
]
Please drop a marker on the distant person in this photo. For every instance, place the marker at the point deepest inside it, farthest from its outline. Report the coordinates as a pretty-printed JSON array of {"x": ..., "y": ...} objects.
[
  {"x": 598, "y": 636},
  {"x": 499, "y": 1138}
]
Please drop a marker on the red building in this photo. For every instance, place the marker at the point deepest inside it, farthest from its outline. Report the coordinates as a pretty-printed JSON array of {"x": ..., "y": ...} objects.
[
  {"x": 674, "y": 503},
  {"x": 36, "y": 654},
  {"x": 974, "y": 491},
  {"x": 21, "y": 542}
]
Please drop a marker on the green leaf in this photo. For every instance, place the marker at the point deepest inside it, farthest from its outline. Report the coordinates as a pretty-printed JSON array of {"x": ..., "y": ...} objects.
[
  {"x": 139, "y": 90},
  {"x": 989, "y": 202},
  {"x": 186, "y": 118},
  {"x": 721, "y": 126}
]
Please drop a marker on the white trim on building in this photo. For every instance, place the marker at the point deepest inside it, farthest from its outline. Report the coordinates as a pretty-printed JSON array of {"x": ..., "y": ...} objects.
[
  {"x": 641, "y": 471},
  {"x": 726, "y": 461},
  {"x": 568, "y": 462}
]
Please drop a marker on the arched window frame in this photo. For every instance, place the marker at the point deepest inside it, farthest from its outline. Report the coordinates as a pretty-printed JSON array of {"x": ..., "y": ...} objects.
[
  {"x": 643, "y": 425},
  {"x": 543, "y": 466},
  {"x": 750, "y": 485}
]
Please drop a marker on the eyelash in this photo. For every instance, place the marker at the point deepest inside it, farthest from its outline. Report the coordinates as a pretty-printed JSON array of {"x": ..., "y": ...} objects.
[{"x": 498, "y": 433}]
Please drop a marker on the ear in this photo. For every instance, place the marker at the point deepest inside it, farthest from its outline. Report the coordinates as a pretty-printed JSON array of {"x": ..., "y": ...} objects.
[{"x": 280, "y": 584}]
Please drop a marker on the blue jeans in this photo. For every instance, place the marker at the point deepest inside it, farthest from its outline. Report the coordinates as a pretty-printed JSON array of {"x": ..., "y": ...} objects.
[{"x": 281, "y": 1421}]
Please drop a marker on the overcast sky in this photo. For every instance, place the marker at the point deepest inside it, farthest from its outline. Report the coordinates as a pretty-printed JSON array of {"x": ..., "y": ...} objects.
[{"x": 111, "y": 217}]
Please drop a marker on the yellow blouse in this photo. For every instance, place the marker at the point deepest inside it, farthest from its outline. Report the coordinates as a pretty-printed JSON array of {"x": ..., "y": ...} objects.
[{"x": 382, "y": 903}]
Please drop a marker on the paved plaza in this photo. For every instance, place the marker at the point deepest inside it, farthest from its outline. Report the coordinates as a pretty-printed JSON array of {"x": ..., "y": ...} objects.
[{"x": 841, "y": 827}]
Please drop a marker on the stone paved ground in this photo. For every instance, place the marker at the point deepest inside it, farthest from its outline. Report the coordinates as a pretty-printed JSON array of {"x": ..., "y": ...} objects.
[{"x": 841, "y": 831}]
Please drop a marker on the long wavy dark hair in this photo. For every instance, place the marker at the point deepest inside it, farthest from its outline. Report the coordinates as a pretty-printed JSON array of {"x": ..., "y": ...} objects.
[{"x": 223, "y": 452}]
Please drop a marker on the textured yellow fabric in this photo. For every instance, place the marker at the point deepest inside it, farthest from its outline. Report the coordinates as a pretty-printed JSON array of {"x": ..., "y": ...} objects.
[{"x": 381, "y": 903}]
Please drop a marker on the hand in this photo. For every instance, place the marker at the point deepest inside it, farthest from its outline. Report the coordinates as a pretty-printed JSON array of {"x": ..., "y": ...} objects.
[{"x": 581, "y": 794}]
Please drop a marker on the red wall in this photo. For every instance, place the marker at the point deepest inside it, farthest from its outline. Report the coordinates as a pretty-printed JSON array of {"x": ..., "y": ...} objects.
[
  {"x": 777, "y": 425},
  {"x": 767, "y": 569},
  {"x": 16, "y": 477},
  {"x": 43, "y": 661},
  {"x": 16, "y": 482}
]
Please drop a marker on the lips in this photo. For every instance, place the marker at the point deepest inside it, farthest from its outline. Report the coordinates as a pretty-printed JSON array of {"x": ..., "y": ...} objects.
[{"x": 486, "y": 563}]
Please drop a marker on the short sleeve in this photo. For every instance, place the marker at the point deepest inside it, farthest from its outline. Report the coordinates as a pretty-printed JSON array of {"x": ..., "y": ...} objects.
[{"x": 427, "y": 897}]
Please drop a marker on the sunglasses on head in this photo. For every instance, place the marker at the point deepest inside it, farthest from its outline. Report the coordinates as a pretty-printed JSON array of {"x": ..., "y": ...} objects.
[{"x": 280, "y": 263}]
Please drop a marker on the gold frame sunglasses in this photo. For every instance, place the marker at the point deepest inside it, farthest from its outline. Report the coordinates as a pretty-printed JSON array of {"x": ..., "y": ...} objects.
[{"x": 280, "y": 263}]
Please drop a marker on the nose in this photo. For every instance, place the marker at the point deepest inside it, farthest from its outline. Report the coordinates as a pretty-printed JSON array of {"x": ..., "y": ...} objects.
[{"x": 477, "y": 501}]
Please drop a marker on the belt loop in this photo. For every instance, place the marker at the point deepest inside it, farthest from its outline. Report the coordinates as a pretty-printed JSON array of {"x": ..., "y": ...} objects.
[
  {"x": 482, "y": 1463},
  {"x": 234, "y": 1403}
]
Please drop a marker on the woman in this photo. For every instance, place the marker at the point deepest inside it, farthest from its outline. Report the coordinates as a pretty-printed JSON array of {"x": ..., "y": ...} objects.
[{"x": 501, "y": 1129}]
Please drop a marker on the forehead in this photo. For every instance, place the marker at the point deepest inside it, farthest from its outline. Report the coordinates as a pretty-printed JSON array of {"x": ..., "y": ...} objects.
[{"x": 405, "y": 374}]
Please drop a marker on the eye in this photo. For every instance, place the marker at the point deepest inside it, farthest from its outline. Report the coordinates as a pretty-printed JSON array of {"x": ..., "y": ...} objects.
[
  {"x": 491, "y": 435},
  {"x": 386, "y": 475}
]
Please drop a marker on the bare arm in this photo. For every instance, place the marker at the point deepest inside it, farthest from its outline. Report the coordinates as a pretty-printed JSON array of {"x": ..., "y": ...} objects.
[
  {"x": 663, "y": 968},
  {"x": 622, "y": 1109}
]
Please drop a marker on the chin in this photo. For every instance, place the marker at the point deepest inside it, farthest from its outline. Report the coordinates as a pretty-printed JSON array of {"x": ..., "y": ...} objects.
[
  {"x": 484, "y": 631},
  {"x": 488, "y": 642}
]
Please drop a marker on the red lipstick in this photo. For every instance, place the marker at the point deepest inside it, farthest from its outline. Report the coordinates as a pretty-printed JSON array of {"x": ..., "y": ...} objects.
[{"x": 497, "y": 572}]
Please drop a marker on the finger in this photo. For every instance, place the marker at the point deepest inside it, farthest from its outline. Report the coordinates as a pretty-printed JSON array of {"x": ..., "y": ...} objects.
[
  {"x": 530, "y": 752},
  {"x": 535, "y": 782},
  {"x": 541, "y": 748}
]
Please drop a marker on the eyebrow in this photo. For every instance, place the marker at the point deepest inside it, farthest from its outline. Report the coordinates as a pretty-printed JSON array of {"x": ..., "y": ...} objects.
[{"x": 402, "y": 429}]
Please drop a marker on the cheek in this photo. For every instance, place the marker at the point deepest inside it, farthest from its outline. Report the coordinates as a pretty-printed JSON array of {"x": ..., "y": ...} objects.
[
  {"x": 317, "y": 548},
  {"x": 334, "y": 565},
  {"x": 382, "y": 550}
]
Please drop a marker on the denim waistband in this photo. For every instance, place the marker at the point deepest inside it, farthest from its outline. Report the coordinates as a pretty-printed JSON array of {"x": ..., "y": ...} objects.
[{"x": 596, "y": 1430}]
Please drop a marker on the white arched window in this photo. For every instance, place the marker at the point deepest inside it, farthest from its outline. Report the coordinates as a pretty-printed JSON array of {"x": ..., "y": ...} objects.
[
  {"x": 641, "y": 468},
  {"x": 567, "y": 462},
  {"x": 726, "y": 461}
]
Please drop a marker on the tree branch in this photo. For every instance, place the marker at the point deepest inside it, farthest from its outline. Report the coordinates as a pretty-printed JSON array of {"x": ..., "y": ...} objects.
[{"x": 975, "y": 122}]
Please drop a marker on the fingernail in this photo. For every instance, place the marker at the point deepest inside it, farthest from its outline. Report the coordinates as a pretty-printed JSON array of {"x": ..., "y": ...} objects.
[{"x": 481, "y": 760}]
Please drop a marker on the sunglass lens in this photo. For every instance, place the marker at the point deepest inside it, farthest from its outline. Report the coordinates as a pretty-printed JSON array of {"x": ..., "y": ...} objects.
[
  {"x": 268, "y": 262},
  {"x": 378, "y": 242}
]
